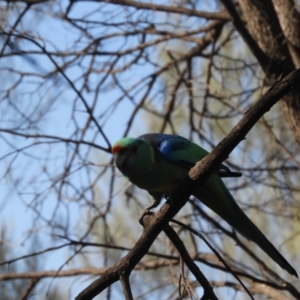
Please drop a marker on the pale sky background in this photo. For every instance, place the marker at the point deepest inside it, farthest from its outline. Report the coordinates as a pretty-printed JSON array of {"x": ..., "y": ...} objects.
[{"x": 13, "y": 213}]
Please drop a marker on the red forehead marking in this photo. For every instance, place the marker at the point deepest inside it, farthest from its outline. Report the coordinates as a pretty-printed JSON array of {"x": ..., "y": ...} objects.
[{"x": 116, "y": 149}]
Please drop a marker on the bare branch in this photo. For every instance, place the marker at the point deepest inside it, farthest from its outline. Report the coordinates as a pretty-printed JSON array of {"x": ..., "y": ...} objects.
[{"x": 197, "y": 174}]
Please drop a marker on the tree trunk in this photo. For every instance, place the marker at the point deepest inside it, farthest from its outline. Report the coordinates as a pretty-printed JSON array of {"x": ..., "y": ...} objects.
[{"x": 275, "y": 27}]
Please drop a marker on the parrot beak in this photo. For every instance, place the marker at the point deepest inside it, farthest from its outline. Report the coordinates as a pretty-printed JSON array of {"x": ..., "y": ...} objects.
[
  {"x": 120, "y": 159},
  {"x": 116, "y": 149}
]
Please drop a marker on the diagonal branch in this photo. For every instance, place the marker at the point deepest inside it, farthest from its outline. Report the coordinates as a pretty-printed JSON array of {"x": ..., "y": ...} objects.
[
  {"x": 208, "y": 290},
  {"x": 180, "y": 194},
  {"x": 221, "y": 15}
]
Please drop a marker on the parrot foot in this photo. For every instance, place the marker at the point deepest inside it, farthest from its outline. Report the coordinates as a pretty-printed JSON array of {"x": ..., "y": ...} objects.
[
  {"x": 143, "y": 213},
  {"x": 169, "y": 198},
  {"x": 146, "y": 211},
  {"x": 168, "y": 195}
]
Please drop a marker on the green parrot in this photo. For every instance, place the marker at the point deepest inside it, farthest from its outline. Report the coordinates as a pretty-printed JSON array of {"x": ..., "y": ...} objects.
[{"x": 158, "y": 162}]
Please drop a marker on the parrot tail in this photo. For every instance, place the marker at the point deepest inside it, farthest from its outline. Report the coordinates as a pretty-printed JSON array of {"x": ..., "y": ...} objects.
[
  {"x": 215, "y": 195},
  {"x": 249, "y": 230}
]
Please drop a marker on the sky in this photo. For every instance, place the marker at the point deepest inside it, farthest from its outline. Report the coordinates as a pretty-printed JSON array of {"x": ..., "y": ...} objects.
[{"x": 14, "y": 213}]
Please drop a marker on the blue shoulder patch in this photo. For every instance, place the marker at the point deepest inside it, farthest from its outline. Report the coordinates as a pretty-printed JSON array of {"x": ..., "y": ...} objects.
[
  {"x": 172, "y": 145},
  {"x": 169, "y": 147}
]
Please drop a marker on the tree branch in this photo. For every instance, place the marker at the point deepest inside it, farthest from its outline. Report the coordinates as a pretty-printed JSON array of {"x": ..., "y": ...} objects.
[
  {"x": 199, "y": 173},
  {"x": 208, "y": 290},
  {"x": 221, "y": 15}
]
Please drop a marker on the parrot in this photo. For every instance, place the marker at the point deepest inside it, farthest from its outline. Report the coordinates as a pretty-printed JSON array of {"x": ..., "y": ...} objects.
[{"x": 158, "y": 162}]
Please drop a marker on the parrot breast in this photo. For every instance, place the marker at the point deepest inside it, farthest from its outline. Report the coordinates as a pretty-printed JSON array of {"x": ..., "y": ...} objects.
[{"x": 160, "y": 179}]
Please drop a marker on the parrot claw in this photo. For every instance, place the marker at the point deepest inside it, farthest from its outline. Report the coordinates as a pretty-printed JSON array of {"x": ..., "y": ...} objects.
[
  {"x": 168, "y": 195},
  {"x": 142, "y": 214},
  {"x": 147, "y": 210}
]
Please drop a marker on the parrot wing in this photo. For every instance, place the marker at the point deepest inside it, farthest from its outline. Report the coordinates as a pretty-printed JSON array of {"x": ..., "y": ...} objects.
[
  {"x": 186, "y": 154},
  {"x": 181, "y": 151},
  {"x": 214, "y": 194}
]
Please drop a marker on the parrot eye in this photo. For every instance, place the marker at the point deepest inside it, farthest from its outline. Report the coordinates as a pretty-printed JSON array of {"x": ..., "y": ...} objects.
[{"x": 134, "y": 149}]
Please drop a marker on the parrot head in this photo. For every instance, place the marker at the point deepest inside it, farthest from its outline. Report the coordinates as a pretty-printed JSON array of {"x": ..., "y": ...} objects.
[{"x": 133, "y": 156}]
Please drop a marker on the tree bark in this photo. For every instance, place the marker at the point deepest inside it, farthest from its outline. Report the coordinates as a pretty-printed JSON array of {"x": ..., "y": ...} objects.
[{"x": 275, "y": 27}]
